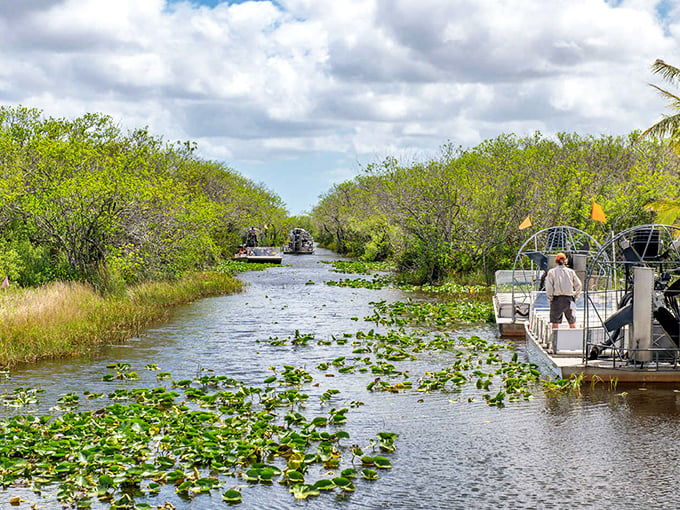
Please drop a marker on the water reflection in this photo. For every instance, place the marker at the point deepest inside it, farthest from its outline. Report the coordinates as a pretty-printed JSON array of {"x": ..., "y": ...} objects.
[{"x": 605, "y": 449}]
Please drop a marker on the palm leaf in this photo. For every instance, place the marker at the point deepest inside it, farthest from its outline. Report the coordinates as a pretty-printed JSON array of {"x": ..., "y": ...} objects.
[
  {"x": 669, "y": 125},
  {"x": 668, "y": 72},
  {"x": 674, "y": 100},
  {"x": 667, "y": 211}
]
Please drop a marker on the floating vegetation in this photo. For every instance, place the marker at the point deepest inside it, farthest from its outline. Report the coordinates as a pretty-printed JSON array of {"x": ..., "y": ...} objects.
[
  {"x": 191, "y": 437},
  {"x": 569, "y": 386},
  {"x": 411, "y": 313},
  {"x": 478, "y": 363},
  {"x": 451, "y": 288},
  {"x": 298, "y": 339},
  {"x": 359, "y": 267},
  {"x": 376, "y": 283},
  {"x": 21, "y": 397},
  {"x": 233, "y": 267}
]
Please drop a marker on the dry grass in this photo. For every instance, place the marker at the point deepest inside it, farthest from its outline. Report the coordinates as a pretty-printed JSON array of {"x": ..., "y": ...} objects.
[{"x": 66, "y": 319}]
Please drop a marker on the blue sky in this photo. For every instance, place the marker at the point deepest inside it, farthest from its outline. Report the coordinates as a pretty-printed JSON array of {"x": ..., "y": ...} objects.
[{"x": 302, "y": 94}]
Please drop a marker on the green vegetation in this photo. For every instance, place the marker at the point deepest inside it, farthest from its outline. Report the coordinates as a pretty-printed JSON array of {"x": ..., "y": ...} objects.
[
  {"x": 445, "y": 314},
  {"x": 458, "y": 215},
  {"x": 201, "y": 436},
  {"x": 70, "y": 318},
  {"x": 669, "y": 125},
  {"x": 359, "y": 266},
  {"x": 667, "y": 208},
  {"x": 482, "y": 369},
  {"x": 104, "y": 230},
  {"x": 81, "y": 200}
]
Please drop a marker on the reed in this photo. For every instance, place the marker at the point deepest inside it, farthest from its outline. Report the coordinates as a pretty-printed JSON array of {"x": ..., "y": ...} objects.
[{"x": 70, "y": 318}]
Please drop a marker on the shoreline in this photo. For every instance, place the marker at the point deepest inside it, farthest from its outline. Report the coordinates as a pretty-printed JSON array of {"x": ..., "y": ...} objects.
[{"x": 65, "y": 319}]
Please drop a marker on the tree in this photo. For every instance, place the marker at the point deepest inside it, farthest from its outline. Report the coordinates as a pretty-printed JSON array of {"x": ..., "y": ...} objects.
[
  {"x": 669, "y": 124},
  {"x": 84, "y": 200},
  {"x": 667, "y": 210}
]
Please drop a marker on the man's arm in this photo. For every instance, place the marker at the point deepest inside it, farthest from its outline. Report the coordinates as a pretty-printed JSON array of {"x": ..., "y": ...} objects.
[
  {"x": 576, "y": 281},
  {"x": 549, "y": 286}
]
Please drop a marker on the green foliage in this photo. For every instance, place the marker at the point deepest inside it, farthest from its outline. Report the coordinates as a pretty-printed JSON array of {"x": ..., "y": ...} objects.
[
  {"x": 79, "y": 198},
  {"x": 203, "y": 433},
  {"x": 458, "y": 214}
]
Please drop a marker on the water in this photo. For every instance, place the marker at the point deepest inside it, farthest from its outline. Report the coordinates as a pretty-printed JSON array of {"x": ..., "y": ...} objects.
[{"x": 605, "y": 449}]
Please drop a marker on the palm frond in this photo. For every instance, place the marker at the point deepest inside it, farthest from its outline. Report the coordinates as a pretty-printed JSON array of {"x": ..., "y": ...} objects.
[
  {"x": 669, "y": 125},
  {"x": 667, "y": 211},
  {"x": 669, "y": 73},
  {"x": 674, "y": 100}
]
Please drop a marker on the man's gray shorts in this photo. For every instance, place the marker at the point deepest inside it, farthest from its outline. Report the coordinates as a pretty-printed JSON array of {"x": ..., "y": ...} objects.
[{"x": 561, "y": 305}]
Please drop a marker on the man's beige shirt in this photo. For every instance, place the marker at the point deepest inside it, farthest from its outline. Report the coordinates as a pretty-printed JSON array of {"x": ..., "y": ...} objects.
[{"x": 562, "y": 281}]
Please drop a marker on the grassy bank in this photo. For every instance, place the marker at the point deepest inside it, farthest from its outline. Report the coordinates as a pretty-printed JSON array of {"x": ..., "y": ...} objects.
[{"x": 67, "y": 319}]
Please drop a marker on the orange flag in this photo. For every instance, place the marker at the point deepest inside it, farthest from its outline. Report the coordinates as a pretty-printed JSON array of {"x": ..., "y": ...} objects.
[
  {"x": 597, "y": 214},
  {"x": 525, "y": 224}
]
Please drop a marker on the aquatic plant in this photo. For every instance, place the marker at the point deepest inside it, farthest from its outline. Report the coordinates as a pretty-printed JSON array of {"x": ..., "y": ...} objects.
[
  {"x": 377, "y": 282},
  {"x": 192, "y": 437},
  {"x": 358, "y": 266},
  {"x": 403, "y": 313},
  {"x": 452, "y": 289},
  {"x": 570, "y": 385},
  {"x": 234, "y": 267}
]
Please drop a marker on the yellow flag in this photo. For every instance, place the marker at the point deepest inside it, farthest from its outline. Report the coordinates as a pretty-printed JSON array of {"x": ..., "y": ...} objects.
[
  {"x": 597, "y": 214},
  {"x": 525, "y": 224}
]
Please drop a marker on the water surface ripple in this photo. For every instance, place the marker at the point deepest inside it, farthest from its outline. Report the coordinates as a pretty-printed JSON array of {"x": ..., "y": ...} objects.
[{"x": 606, "y": 449}]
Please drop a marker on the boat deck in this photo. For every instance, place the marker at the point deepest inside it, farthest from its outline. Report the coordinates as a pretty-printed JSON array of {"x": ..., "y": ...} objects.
[{"x": 560, "y": 353}]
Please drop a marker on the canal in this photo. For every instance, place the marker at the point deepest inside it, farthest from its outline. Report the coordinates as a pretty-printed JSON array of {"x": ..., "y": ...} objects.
[{"x": 607, "y": 448}]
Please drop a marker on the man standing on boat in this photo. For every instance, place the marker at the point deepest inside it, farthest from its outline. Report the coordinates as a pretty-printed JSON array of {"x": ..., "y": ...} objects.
[{"x": 562, "y": 288}]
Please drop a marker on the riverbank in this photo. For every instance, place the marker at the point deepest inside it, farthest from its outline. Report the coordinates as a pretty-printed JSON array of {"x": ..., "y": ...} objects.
[{"x": 71, "y": 318}]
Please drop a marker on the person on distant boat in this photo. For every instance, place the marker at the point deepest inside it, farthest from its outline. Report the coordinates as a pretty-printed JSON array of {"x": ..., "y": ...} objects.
[
  {"x": 251, "y": 237},
  {"x": 562, "y": 288}
]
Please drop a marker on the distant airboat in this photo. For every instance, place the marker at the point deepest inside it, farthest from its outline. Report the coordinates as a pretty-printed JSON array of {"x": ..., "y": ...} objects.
[{"x": 300, "y": 242}]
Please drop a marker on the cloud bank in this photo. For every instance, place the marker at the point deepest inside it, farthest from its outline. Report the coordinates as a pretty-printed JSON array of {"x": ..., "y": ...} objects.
[{"x": 260, "y": 85}]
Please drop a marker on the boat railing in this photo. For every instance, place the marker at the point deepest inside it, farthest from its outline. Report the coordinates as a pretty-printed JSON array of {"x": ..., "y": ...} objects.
[{"x": 659, "y": 358}]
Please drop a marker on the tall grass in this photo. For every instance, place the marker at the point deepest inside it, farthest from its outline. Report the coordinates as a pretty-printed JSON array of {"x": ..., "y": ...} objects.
[{"x": 67, "y": 319}]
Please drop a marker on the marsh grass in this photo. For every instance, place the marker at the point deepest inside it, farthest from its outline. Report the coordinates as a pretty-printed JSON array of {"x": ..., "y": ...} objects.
[{"x": 69, "y": 318}]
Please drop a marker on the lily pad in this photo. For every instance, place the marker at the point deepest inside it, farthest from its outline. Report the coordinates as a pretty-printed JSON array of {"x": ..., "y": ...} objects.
[
  {"x": 324, "y": 485},
  {"x": 344, "y": 483},
  {"x": 304, "y": 491},
  {"x": 349, "y": 473},
  {"x": 232, "y": 496},
  {"x": 369, "y": 474},
  {"x": 382, "y": 462}
]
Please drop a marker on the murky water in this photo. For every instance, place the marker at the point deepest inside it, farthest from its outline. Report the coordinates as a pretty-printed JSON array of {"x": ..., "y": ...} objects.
[{"x": 606, "y": 449}]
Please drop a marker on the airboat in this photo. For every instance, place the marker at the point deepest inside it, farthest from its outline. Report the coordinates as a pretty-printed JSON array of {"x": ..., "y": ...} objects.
[
  {"x": 514, "y": 288},
  {"x": 300, "y": 242},
  {"x": 628, "y": 317},
  {"x": 251, "y": 251}
]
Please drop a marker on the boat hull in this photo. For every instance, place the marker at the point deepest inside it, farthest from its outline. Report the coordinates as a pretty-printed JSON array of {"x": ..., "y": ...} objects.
[
  {"x": 301, "y": 251},
  {"x": 507, "y": 325},
  {"x": 260, "y": 259},
  {"x": 261, "y": 254}
]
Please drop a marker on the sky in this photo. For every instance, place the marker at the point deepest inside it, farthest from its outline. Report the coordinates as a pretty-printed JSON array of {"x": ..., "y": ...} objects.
[{"x": 299, "y": 95}]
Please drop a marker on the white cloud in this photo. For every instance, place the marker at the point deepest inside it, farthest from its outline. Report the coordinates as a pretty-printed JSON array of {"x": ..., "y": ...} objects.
[{"x": 264, "y": 81}]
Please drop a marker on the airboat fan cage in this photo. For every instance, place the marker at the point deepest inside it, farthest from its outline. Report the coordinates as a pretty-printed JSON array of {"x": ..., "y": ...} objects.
[
  {"x": 631, "y": 291},
  {"x": 537, "y": 255}
]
